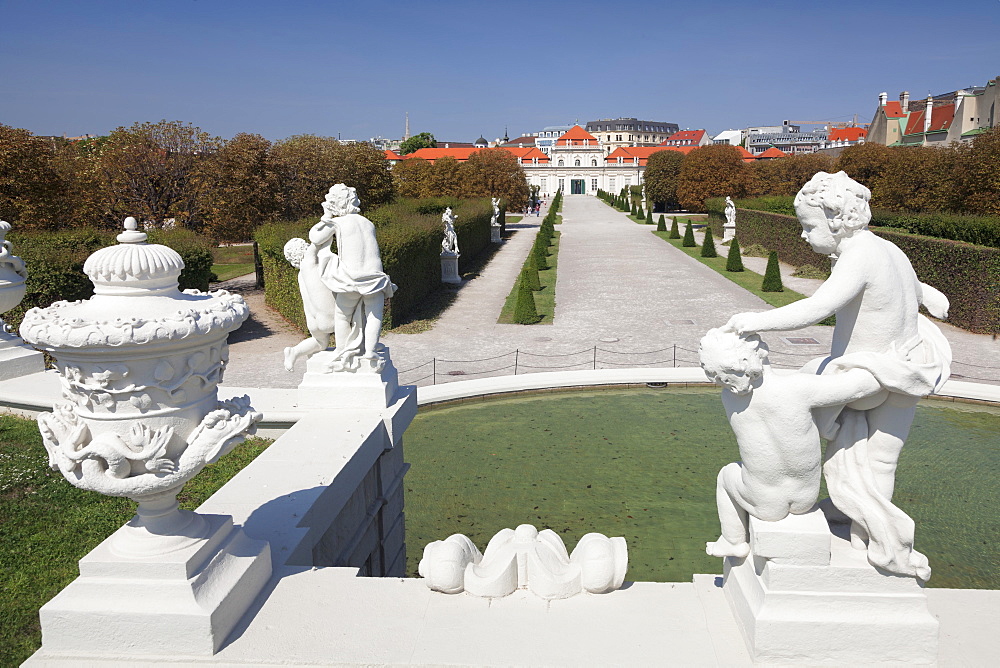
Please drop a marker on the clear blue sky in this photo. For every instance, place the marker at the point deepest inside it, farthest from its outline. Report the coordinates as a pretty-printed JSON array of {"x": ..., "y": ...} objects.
[{"x": 465, "y": 68}]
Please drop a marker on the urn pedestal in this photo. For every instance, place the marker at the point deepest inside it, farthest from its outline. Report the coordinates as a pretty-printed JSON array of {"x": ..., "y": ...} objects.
[
  {"x": 369, "y": 384},
  {"x": 140, "y": 364},
  {"x": 804, "y": 596}
]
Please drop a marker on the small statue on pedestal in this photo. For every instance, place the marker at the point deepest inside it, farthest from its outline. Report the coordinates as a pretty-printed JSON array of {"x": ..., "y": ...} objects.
[{"x": 449, "y": 245}]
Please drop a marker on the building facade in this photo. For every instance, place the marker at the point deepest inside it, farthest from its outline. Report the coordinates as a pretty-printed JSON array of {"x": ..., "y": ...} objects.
[
  {"x": 937, "y": 120},
  {"x": 616, "y": 132}
]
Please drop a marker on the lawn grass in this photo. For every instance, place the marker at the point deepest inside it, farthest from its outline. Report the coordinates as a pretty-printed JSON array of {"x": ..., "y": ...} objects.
[
  {"x": 47, "y": 525},
  {"x": 232, "y": 261},
  {"x": 746, "y": 279},
  {"x": 642, "y": 464},
  {"x": 545, "y": 299}
]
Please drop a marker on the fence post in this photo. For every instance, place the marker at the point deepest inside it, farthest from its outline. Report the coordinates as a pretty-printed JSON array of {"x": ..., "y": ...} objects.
[
  {"x": 595, "y": 358},
  {"x": 675, "y": 355},
  {"x": 434, "y": 371},
  {"x": 516, "y": 351}
]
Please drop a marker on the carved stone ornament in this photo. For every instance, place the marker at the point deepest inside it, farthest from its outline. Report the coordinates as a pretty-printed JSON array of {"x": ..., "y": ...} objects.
[
  {"x": 13, "y": 275},
  {"x": 525, "y": 558},
  {"x": 140, "y": 364}
]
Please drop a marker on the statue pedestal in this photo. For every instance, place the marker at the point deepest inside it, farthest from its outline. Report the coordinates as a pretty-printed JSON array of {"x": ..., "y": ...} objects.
[
  {"x": 805, "y": 596},
  {"x": 728, "y": 231},
  {"x": 18, "y": 359},
  {"x": 367, "y": 386},
  {"x": 184, "y": 602},
  {"x": 495, "y": 234},
  {"x": 449, "y": 269}
]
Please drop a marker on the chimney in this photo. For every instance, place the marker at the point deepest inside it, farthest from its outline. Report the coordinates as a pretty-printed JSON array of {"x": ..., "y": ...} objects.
[
  {"x": 904, "y": 100},
  {"x": 882, "y": 99},
  {"x": 959, "y": 94},
  {"x": 927, "y": 113}
]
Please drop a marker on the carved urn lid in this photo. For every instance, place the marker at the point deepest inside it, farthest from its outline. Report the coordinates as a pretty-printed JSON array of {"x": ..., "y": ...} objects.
[
  {"x": 134, "y": 267},
  {"x": 135, "y": 302}
]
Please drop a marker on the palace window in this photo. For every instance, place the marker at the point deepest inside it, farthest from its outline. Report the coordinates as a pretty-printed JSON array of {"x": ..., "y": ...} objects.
[
  {"x": 544, "y": 184},
  {"x": 562, "y": 183},
  {"x": 576, "y": 163},
  {"x": 593, "y": 163},
  {"x": 611, "y": 184},
  {"x": 593, "y": 184},
  {"x": 562, "y": 163}
]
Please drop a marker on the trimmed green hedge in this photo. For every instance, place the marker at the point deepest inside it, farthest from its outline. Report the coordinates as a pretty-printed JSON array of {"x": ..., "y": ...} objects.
[
  {"x": 981, "y": 230},
  {"x": 55, "y": 263},
  {"x": 968, "y": 274},
  {"x": 410, "y": 243}
]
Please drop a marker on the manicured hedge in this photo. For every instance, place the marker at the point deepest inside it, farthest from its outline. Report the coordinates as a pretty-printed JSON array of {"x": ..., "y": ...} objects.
[
  {"x": 55, "y": 263},
  {"x": 981, "y": 230},
  {"x": 968, "y": 274},
  {"x": 410, "y": 243}
]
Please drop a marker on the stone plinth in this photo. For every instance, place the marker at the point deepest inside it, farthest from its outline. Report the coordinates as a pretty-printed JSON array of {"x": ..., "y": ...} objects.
[
  {"x": 805, "y": 596},
  {"x": 17, "y": 359},
  {"x": 495, "y": 234},
  {"x": 373, "y": 384},
  {"x": 728, "y": 231},
  {"x": 449, "y": 269},
  {"x": 184, "y": 602}
]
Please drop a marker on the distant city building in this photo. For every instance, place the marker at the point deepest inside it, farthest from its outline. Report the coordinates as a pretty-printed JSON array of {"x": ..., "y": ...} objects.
[
  {"x": 730, "y": 137},
  {"x": 687, "y": 138},
  {"x": 787, "y": 138},
  {"x": 938, "y": 120},
  {"x": 616, "y": 132}
]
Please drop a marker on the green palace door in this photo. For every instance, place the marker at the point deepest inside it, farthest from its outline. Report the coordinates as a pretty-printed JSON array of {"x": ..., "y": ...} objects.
[{"x": 576, "y": 187}]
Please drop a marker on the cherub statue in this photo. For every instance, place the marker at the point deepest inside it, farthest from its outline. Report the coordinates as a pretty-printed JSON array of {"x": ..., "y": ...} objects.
[{"x": 343, "y": 293}]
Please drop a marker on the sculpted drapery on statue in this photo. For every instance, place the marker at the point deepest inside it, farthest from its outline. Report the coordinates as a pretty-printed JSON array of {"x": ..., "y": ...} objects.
[
  {"x": 875, "y": 296},
  {"x": 343, "y": 293}
]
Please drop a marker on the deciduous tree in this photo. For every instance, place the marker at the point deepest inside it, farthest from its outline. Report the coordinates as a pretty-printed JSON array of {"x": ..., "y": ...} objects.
[
  {"x": 785, "y": 176},
  {"x": 715, "y": 170},
  {"x": 417, "y": 142},
  {"x": 412, "y": 177},
  {"x": 241, "y": 190},
  {"x": 977, "y": 174},
  {"x": 152, "y": 171},
  {"x": 31, "y": 191},
  {"x": 494, "y": 173},
  {"x": 661, "y": 176}
]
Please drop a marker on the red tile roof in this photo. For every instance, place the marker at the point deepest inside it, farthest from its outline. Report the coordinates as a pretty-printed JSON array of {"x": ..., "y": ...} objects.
[
  {"x": 847, "y": 134},
  {"x": 628, "y": 154},
  {"x": 684, "y": 137},
  {"x": 941, "y": 118},
  {"x": 392, "y": 155},
  {"x": 525, "y": 155},
  {"x": 772, "y": 153},
  {"x": 893, "y": 110},
  {"x": 747, "y": 155},
  {"x": 576, "y": 136}
]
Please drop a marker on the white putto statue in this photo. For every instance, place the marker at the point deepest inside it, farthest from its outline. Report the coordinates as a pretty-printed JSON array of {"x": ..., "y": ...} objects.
[
  {"x": 343, "y": 293},
  {"x": 449, "y": 245},
  {"x": 876, "y": 297},
  {"x": 730, "y": 211},
  {"x": 525, "y": 558},
  {"x": 495, "y": 220}
]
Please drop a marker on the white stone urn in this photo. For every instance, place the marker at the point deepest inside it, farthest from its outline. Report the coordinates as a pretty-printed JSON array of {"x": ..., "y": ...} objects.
[
  {"x": 12, "y": 276},
  {"x": 140, "y": 364}
]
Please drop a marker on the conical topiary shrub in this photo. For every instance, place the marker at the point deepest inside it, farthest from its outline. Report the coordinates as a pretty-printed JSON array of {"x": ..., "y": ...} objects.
[
  {"x": 734, "y": 261},
  {"x": 529, "y": 274},
  {"x": 772, "y": 275},
  {"x": 634, "y": 210},
  {"x": 525, "y": 312},
  {"x": 541, "y": 252},
  {"x": 688, "y": 236},
  {"x": 674, "y": 232},
  {"x": 649, "y": 216},
  {"x": 639, "y": 213},
  {"x": 661, "y": 224},
  {"x": 708, "y": 244}
]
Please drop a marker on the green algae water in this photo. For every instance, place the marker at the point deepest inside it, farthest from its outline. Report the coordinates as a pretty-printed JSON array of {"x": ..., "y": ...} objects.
[{"x": 642, "y": 464}]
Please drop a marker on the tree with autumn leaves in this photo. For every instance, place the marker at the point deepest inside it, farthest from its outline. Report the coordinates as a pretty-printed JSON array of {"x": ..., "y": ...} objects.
[{"x": 487, "y": 173}]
